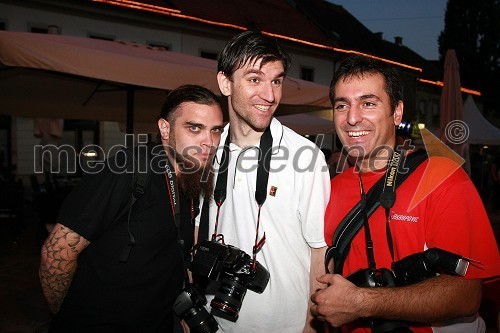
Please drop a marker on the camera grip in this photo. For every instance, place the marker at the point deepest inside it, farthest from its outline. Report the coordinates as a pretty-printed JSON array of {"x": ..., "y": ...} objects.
[{"x": 447, "y": 262}]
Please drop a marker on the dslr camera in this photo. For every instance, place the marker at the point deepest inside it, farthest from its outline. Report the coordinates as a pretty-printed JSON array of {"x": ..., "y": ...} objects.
[
  {"x": 374, "y": 278},
  {"x": 236, "y": 272},
  {"x": 190, "y": 306},
  {"x": 409, "y": 270}
]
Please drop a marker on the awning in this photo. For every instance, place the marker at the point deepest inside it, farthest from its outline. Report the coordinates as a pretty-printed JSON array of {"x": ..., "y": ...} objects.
[{"x": 55, "y": 76}]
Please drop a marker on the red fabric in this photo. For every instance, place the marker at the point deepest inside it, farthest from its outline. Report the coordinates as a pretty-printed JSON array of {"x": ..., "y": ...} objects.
[{"x": 452, "y": 217}]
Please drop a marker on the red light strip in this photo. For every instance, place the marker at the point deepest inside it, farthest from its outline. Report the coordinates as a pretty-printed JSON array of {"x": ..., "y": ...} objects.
[
  {"x": 220, "y": 24},
  {"x": 140, "y": 5},
  {"x": 342, "y": 50},
  {"x": 165, "y": 11},
  {"x": 439, "y": 83},
  {"x": 176, "y": 13}
]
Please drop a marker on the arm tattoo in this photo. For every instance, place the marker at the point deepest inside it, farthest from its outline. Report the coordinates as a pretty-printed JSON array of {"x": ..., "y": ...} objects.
[{"x": 58, "y": 263}]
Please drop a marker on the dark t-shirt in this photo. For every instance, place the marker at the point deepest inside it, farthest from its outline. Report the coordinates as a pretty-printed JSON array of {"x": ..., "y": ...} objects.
[{"x": 105, "y": 294}]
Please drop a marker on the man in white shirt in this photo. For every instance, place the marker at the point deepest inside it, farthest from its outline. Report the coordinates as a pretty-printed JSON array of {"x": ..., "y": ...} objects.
[{"x": 284, "y": 230}]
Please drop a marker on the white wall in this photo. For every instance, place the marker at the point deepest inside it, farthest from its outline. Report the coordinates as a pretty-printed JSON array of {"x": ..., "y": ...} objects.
[
  {"x": 323, "y": 68},
  {"x": 22, "y": 19}
]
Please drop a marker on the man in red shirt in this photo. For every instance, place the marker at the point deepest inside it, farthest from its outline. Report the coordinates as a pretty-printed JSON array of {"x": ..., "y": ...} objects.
[{"x": 366, "y": 95}]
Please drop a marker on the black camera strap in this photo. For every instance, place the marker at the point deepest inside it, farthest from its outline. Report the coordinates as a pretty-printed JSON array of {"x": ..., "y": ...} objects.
[
  {"x": 354, "y": 220},
  {"x": 173, "y": 191},
  {"x": 368, "y": 237},
  {"x": 140, "y": 181},
  {"x": 387, "y": 199},
  {"x": 388, "y": 195},
  {"x": 264, "y": 164}
]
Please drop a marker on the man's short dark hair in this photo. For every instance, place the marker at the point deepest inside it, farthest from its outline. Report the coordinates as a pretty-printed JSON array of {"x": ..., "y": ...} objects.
[
  {"x": 187, "y": 93},
  {"x": 249, "y": 47},
  {"x": 357, "y": 66}
]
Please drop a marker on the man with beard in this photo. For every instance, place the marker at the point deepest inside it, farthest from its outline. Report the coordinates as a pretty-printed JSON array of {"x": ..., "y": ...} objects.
[{"x": 89, "y": 285}]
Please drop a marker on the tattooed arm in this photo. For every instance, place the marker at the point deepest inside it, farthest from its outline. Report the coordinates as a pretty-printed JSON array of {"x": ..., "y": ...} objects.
[{"x": 58, "y": 263}]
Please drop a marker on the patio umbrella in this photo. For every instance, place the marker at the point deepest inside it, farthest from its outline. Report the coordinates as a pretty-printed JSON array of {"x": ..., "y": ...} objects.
[{"x": 453, "y": 130}]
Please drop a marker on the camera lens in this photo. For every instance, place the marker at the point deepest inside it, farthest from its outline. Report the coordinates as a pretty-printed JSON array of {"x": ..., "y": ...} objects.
[
  {"x": 199, "y": 320},
  {"x": 228, "y": 298},
  {"x": 189, "y": 306}
]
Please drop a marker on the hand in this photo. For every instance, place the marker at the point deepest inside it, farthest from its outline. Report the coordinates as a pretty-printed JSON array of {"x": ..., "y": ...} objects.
[
  {"x": 185, "y": 327},
  {"x": 339, "y": 303}
]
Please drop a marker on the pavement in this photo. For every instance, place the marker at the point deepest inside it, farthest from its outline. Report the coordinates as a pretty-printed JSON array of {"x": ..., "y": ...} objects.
[{"x": 23, "y": 308}]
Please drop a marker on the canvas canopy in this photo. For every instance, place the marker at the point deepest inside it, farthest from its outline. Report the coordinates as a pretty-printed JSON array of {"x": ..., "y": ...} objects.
[
  {"x": 304, "y": 123},
  {"x": 481, "y": 131},
  {"x": 55, "y": 76}
]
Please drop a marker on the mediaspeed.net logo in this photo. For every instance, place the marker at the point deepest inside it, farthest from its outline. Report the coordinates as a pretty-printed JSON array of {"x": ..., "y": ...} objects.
[{"x": 437, "y": 148}]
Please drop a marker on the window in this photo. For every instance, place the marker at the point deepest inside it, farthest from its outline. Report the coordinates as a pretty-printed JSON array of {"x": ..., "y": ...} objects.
[
  {"x": 5, "y": 145},
  {"x": 49, "y": 29},
  {"x": 435, "y": 112},
  {"x": 102, "y": 37},
  {"x": 307, "y": 73},
  {"x": 78, "y": 134},
  {"x": 208, "y": 55},
  {"x": 39, "y": 30},
  {"x": 422, "y": 112}
]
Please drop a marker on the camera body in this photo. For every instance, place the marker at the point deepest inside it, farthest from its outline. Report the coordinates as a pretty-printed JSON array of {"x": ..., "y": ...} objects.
[
  {"x": 371, "y": 278},
  {"x": 234, "y": 269},
  {"x": 375, "y": 278},
  {"x": 423, "y": 265},
  {"x": 409, "y": 270},
  {"x": 190, "y": 306}
]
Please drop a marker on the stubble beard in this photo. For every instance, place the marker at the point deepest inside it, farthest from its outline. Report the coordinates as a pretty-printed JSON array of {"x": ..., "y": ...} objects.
[{"x": 249, "y": 117}]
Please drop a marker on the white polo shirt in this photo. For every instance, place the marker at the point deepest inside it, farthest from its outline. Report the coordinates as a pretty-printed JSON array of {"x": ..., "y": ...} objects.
[{"x": 292, "y": 218}]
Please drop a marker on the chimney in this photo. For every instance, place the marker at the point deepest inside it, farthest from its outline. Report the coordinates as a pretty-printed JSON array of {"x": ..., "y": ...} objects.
[
  {"x": 379, "y": 35},
  {"x": 398, "y": 40}
]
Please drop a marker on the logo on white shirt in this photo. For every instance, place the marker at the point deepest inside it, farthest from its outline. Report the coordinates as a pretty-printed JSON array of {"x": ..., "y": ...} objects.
[{"x": 273, "y": 190}]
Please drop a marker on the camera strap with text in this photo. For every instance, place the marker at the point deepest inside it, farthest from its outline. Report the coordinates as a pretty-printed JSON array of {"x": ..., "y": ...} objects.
[
  {"x": 174, "y": 194},
  {"x": 382, "y": 193}
]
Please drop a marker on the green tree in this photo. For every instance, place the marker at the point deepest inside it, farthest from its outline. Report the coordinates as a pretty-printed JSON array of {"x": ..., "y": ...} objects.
[{"x": 472, "y": 28}]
